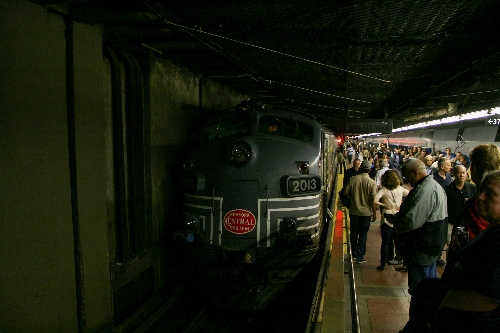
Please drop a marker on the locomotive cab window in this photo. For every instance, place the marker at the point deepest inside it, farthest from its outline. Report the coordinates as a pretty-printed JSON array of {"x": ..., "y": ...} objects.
[
  {"x": 287, "y": 127},
  {"x": 224, "y": 127}
]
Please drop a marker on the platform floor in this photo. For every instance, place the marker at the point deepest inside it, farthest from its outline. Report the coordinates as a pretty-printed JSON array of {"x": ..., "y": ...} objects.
[
  {"x": 382, "y": 296},
  {"x": 383, "y": 299}
]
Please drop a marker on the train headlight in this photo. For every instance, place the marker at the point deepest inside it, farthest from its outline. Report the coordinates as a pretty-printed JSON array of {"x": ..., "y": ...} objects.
[{"x": 239, "y": 153}]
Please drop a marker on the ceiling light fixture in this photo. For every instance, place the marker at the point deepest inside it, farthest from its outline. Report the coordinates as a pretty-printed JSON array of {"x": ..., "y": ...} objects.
[{"x": 449, "y": 120}]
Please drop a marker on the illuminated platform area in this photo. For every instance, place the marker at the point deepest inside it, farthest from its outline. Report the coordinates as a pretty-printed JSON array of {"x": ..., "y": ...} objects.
[{"x": 381, "y": 298}]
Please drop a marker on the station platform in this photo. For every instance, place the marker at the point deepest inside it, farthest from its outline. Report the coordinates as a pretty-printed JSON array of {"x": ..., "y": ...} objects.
[{"x": 381, "y": 297}]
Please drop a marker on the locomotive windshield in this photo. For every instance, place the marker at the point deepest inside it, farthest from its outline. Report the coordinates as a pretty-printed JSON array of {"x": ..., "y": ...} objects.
[
  {"x": 287, "y": 127},
  {"x": 226, "y": 126}
]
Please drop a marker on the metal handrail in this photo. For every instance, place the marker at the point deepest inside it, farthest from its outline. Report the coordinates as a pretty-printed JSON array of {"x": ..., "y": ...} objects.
[{"x": 352, "y": 282}]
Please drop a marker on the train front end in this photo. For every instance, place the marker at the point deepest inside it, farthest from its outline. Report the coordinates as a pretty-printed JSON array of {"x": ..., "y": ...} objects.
[{"x": 254, "y": 195}]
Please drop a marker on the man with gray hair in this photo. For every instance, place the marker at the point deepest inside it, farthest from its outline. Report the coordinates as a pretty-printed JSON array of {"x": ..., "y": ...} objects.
[
  {"x": 429, "y": 160},
  {"x": 420, "y": 223},
  {"x": 457, "y": 193}
]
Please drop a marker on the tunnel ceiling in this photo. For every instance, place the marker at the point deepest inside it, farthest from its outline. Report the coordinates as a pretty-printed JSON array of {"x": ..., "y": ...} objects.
[{"x": 338, "y": 60}]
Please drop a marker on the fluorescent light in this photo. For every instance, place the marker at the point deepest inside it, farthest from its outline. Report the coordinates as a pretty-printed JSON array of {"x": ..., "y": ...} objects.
[
  {"x": 449, "y": 120},
  {"x": 370, "y": 134},
  {"x": 434, "y": 122}
]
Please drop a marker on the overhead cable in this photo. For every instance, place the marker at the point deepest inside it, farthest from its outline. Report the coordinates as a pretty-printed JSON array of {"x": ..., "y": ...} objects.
[{"x": 278, "y": 52}]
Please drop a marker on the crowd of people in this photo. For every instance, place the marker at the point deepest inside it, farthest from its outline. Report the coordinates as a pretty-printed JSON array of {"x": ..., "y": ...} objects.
[{"x": 426, "y": 199}]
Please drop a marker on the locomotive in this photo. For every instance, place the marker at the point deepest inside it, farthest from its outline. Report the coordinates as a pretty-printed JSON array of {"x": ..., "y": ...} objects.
[{"x": 256, "y": 194}]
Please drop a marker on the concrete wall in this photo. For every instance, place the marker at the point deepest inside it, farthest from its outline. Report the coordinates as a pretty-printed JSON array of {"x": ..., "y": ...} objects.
[
  {"x": 38, "y": 292},
  {"x": 37, "y": 265},
  {"x": 37, "y": 283}
]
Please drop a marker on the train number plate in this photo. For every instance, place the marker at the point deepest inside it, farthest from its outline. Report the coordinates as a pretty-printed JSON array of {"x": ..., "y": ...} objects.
[{"x": 302, "y": 185}]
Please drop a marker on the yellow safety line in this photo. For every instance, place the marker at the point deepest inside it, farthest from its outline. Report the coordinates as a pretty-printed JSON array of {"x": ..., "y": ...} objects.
[
  {"x": 345, "y": 212},
  {"x": 335, "y": 302}
]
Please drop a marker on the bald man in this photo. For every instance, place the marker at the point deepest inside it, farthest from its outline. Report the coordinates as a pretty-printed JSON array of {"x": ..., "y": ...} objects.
[
  {"x": 420, "y": 223},
  {"x": 457, "y": 193}
]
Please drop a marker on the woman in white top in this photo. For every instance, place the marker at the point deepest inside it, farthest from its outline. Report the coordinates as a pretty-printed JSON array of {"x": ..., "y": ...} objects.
[{"x": 389, "y": 198}]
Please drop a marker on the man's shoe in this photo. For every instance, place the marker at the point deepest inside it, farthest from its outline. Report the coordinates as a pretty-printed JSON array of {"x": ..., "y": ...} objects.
[
  {"x": 401, "y": 269},
  {"x": 441, "y": 262},
  {"x": 380, "y": 268},
  {"x": 395, "y": 262},
  {"x": 360, "y": 261}
]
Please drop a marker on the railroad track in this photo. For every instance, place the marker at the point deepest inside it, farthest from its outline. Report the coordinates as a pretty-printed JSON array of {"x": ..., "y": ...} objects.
[{"x": 190, "y": 311}]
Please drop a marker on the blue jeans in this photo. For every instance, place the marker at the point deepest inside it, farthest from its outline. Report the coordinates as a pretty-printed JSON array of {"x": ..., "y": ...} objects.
[
  {"x": 387, "y": 249},
  {"x": 359, "y": 234},
  {"x": 417, "y": 273}
]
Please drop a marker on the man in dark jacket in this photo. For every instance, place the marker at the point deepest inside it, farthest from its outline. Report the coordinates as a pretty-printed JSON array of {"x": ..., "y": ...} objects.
[
  {"x": 442, "y": 175},
  {"x": 420, "y": 223},
  {"x": 397, "y": 159},
  {"x": 351, "y": 172},
  {"x": 457, "y": 193}
]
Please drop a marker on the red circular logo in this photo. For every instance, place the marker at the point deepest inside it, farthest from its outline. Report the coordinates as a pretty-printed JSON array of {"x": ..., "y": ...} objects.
[{"x": 239, "y": 221}]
